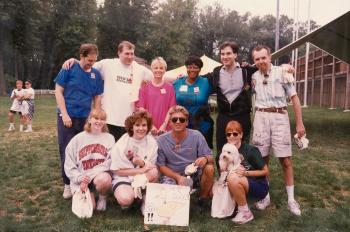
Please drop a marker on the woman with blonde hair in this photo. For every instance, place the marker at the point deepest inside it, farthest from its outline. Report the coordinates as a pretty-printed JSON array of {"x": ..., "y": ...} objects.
[
  {"x": 157, "y": 97},
  {"x": 88, "y": 159}
]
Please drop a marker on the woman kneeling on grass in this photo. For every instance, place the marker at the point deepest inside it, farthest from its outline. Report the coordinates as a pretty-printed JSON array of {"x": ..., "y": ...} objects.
[
  {"x": 250, "y": 182},
  {"x": 88, "y": 159},
  {"x": 133, "y": 159}
]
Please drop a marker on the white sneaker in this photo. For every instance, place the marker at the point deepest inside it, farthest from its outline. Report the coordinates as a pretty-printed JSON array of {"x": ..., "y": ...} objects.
[
  {"x": 243, "y": 217},
  {"x": 11, "y": 128},
  {"x": 28, "y": 130},
  {"x": 294, "y": 207},
  {"x": 67, "y": 193},
  {"x": 101, "y": 203},
  {"x": 262, "y": 204}
]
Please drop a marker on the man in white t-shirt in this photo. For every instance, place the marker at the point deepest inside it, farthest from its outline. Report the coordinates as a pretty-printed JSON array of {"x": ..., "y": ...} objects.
[{"x": 122, "y": 81}]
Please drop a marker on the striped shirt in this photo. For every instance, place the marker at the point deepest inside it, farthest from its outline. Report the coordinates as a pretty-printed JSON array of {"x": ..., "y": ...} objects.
[{"x": 274, "y": 93}]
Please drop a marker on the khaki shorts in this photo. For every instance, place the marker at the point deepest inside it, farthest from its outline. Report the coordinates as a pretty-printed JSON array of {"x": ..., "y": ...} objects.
[{"x": 272, "y": 130}]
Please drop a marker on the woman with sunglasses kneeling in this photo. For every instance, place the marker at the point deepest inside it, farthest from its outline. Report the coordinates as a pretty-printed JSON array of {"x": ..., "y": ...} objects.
[
  {"x": 133, "y": 160},
  {"x": 250, "y": 182}
]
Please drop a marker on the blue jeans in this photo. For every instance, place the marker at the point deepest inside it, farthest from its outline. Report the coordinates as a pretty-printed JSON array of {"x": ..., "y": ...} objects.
[{"x": 64, "y": 136}]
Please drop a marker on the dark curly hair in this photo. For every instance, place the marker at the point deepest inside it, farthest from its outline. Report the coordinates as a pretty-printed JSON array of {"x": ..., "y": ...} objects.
[
  {"x": 196, "y": 60},
  {"x": 136, "y": 116}
]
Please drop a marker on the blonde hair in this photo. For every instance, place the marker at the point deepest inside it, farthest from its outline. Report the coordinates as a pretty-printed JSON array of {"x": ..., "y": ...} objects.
[
  {"x": 178, "y": 109},
  {"x": 98, "y": 114},
  {"x": 160, "y": 60}
]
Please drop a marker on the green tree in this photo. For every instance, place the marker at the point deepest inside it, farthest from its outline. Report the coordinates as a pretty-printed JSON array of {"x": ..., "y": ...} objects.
[
  {"x": 122, "y": 20},
  {"x": 171, "y": 31}
]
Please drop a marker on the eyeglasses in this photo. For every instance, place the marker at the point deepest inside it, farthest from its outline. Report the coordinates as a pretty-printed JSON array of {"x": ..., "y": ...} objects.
[
  {"x": 178, "y": 119},
  {"x": 229, "y": 134},
  {"x": 265, "y": 79}
]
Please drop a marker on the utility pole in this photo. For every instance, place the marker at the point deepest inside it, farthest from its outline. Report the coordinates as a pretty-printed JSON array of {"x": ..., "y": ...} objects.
[
  {"x": 277, "y": 31},
  {"x": 307, "y": 57}
]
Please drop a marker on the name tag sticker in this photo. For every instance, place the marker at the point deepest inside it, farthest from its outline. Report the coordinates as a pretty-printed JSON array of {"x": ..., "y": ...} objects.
[
  {"x": 183, "y": 88},
  {"x": 92, "y": 76},
  {"x": 196, "y": 89},
  {"x": 163, "y": 91}
]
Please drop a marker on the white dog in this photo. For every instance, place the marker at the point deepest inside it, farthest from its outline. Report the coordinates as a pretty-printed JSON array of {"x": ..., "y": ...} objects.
[{"x": 230, "y": 159}]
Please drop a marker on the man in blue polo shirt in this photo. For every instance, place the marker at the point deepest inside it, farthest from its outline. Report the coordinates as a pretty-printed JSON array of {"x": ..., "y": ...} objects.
[{"x": 75, "y": 90}]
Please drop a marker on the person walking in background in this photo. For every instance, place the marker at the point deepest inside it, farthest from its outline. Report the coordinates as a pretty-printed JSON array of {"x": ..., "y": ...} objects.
[
  {"x": 16, "y": 107},
  {"x": 157, "y": 97},
  {"x": 28, "y": 105},
  {"x": 122, "y": 81},
  {"x": 192, "y": 92},
  {"x": 271, "y": 121},
  {"x": 88, "y": 159},
  {"x": 75, "y": 90}
]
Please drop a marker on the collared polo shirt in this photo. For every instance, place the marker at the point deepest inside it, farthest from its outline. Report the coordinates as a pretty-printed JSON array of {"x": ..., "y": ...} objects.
[{"x": 231, "y": 82}]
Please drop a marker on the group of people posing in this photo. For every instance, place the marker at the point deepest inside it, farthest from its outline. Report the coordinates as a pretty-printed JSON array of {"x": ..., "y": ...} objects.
[
  {"x": 143, "y": 127},
  {"x": 23, "y": 104}
]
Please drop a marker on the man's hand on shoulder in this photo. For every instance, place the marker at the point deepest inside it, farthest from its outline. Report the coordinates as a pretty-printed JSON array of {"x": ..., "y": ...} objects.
[{"x": 69, "y": 63}]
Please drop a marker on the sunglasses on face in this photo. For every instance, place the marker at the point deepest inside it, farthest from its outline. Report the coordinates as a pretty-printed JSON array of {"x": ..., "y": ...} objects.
[
  {"x": 178, "y": 119},
  {"x": 229, "y": 134}
]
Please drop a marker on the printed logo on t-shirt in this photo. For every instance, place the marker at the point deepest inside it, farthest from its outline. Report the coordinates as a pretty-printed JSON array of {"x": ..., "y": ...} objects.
[
  {"x": 163, "y": 91},
  {"x": 92, "y": 149},
  {"x": 196, "y": 89},
  {"x": 92, "y": 76},
  {"x": 125, "y": 80}
]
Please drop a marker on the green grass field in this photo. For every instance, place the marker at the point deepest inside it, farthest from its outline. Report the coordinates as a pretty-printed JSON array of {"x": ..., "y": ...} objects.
[{"x": 31, "y": 189}]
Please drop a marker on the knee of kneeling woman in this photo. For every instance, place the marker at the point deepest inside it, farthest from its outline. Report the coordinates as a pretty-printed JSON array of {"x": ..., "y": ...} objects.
[
  {"x": 209, "y": 169},
  {"x": 152, "y": 175},
  {"x": 124, "y": 199}
]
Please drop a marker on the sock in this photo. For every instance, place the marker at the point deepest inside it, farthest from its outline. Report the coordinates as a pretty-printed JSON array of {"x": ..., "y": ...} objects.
[
  {"x": 100, "y": 196},
  {"x": 290, "y": 192},
  {"x": 12, "y": 124},
  {"x": 243, "y": 208},
  {"x": 21, "y": 127},
  {"x": 267, "y": 197},
  {"x": 29, "y": 127}
]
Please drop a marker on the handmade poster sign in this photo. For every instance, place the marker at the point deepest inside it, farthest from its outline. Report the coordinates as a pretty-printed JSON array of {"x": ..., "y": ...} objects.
[{"x": 167, "y": 204}]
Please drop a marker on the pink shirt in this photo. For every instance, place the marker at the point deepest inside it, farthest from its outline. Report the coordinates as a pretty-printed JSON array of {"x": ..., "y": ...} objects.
[{"x": 157, "y": 100}]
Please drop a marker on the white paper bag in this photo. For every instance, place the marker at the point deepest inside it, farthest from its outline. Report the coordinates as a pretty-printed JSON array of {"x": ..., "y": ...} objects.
[
  {"x": 82, "y": 204},
  {"x": 222, "y": 204}
]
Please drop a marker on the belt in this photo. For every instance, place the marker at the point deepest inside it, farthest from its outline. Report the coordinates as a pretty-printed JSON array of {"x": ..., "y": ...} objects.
[{"x": 280, "y": 110}]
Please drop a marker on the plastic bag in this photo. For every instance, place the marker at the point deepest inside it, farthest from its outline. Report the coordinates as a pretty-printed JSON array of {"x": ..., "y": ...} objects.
[
  {"x": 82, "y": 204},
  {"x": 222, "y": 204}
]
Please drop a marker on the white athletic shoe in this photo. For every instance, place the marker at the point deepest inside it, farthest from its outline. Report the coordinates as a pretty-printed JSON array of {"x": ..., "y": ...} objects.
[
  {"x": 243, "y": 217},
  {"x": 262, "y": 204},
  {"x": 101, "y": 203},
  {"x": 294, "y": 207},
  {"x": 11, "y": 128},
  {"x": 28, "y": 130},
  {"x": 67, "y": 193}
]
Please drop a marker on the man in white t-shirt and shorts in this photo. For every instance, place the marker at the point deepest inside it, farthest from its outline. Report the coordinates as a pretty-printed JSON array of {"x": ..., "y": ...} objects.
[{"x": 122, "y": 81}]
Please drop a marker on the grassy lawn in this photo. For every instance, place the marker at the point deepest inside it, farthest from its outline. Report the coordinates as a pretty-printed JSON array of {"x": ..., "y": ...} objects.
[{"x": 31, "y": 188}]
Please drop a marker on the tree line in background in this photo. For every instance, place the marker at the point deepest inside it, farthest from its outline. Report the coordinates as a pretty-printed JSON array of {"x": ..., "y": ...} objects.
[{"x": 38, "y": 35}]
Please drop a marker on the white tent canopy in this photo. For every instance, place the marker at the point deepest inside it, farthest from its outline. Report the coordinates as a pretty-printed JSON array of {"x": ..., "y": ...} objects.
[{"x": 208, "y": 66}]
